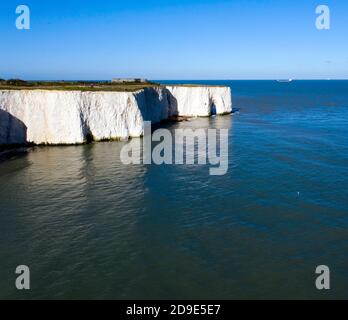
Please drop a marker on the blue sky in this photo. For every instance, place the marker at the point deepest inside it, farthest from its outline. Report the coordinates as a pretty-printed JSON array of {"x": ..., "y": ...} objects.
[{"x": 178, "y": 39}]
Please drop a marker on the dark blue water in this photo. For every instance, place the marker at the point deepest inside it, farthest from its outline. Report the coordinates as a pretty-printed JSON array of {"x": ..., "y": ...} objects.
[{"x": 90, "y": 228}]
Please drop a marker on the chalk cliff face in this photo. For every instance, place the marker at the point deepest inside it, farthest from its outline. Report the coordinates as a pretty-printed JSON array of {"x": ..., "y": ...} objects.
[
  {"x": 72, "y": 117},
  {"x": 199, "y": 101}
]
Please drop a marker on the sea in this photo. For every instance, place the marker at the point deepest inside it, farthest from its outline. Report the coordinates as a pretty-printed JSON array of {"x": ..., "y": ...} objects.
[{"x": 89, "y": 227}]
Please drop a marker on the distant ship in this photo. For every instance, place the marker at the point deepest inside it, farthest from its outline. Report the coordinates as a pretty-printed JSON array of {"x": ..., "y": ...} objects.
[{"x": 285, "y": 80}]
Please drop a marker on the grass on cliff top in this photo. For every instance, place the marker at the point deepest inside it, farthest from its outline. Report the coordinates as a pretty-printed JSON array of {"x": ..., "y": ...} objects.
[
  {"x": 192, "y": 85},
  {"x": 17, "y": 84}
]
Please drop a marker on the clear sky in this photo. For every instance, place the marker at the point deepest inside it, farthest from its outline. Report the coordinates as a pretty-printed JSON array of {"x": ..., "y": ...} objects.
[{"x": 177, "y": 39}]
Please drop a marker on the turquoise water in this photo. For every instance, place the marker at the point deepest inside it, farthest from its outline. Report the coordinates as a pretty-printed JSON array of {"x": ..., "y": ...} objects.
[{"x": 89, "y": 227}]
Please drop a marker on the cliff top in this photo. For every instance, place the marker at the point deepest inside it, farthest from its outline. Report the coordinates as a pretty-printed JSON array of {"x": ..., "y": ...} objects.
[{"x": 17, "y": 84}]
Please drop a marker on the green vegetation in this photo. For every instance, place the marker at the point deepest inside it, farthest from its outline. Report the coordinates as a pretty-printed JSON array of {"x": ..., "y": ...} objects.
[
  {"x": 193, "y": 85},
  {"x": 14, "y": 82},
  {"x": 17, "y": 84}
]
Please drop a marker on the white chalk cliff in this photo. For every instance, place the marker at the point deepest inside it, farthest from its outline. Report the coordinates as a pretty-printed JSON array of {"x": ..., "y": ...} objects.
[{"x": 70, "y": 117}]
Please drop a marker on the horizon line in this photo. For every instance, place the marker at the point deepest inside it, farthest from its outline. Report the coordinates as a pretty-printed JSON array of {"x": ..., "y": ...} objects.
[{"x": 225, "y": 79}]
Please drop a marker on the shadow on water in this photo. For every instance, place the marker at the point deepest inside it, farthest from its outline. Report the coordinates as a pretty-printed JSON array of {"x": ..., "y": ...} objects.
[{"x": 235, "y": 110}]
